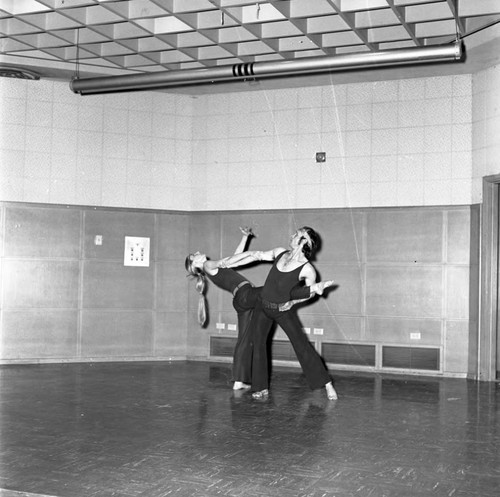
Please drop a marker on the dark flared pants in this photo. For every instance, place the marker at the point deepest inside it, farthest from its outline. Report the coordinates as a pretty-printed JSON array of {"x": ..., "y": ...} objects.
[
  {"x": 244, "y": 303},
  {"x": 312, "y": 365}
]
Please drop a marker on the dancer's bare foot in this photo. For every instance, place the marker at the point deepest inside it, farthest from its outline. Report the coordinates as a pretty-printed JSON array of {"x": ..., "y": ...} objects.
[
  {"x": 239, "y": 385},
  {"x": 330, "y": 391}
]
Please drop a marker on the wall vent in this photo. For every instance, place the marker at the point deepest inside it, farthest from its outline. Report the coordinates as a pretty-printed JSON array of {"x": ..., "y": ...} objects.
[
  {"x": 411, "y": 358},
  {"x": 17, "y": 73},
  {"x": 222, "y": 346},
  {"x": 349, "y": 354},
  {"x": 282, "y": 350}
]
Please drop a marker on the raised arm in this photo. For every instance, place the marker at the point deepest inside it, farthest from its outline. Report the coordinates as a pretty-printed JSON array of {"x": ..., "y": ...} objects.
[
  {"x": 247, "y": 234},
  {"x": 300, "y": 291},
  {"x": 250, "y": 256},
  {"x": 303, "y": 293}
]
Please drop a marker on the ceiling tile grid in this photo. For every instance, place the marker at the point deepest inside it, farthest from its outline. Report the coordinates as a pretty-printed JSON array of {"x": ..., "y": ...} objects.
[{"x": 130, "y": 36}]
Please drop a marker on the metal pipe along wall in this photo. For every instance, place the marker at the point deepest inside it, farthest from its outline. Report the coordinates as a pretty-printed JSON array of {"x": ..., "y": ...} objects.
[{"x": 313, "y": 65}]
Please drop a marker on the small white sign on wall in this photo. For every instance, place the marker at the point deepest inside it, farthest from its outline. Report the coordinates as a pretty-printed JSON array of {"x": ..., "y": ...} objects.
[{"x": 136, "y": 251}]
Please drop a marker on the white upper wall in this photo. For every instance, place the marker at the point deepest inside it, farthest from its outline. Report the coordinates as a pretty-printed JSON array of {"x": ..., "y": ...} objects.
[
  {"x": 123, "y": 150},
  {"x": 393, "y": 143},
  {"x": 486, "y": 128}
]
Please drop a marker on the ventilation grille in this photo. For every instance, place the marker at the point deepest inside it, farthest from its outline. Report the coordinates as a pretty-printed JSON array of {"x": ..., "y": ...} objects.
[
  {"x": 411, "y": 358},
  {"x": 283, "y": 351},
  {"x": 14, "y": 72},
  {"x": 350, "y": 354},
  {"x": 222, "y": 346},
  {"x": 347, "y": 354}
]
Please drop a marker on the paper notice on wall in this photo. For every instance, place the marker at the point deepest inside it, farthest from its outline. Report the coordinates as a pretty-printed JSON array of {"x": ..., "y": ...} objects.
[{"x": 136, "y": 251}]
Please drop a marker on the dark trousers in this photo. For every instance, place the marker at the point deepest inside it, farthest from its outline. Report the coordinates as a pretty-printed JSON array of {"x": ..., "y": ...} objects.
[
  {"x": 244, "y": 303},
  {"x": 312, "y": 365}
]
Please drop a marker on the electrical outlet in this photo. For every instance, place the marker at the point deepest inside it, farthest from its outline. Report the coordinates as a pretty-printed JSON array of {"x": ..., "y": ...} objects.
[
  {"x": 98, "y": 240},
  {"x": 220, "y": 326},
  {"x": 231, "y": 327},
  {"x": 318, "y": 331},
  {"x": 307, "y": 331},
  {"x": 415, "y": 335}
]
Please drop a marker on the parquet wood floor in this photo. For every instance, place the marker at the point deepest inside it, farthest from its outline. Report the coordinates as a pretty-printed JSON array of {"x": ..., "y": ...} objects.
[{"x": 177, "y": 429}]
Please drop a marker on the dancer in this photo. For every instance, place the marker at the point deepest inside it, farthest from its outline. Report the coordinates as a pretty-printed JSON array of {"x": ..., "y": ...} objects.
[
  {"x": 290, "y": 267},
  {"x": 245, "y": 297},
  {"x": 244, "y": 301}
]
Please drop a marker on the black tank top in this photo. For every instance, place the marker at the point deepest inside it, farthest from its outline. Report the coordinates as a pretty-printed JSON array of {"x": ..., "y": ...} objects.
[
  {"x": 227, "y": 279},
  {"x": 279, "y": 284}
]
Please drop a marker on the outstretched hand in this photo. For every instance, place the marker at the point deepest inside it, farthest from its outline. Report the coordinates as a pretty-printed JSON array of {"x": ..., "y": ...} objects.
[
  {"x": 246, "y": 230},
  {"x": 286, "y": 306},
  {"x": 320, "y": 287}
]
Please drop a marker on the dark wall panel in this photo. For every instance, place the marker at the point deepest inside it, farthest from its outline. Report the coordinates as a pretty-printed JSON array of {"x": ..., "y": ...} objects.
[
  {"x": 341, "y": 234},
  {"x": 173, "y": 237},
  {"x": 36, "y": 334},
  {"x": 346, "y": 297},
  {"x": 34, "y": 284},
  {"x": 347, "y": 328},
  {"x": 114, "y": 226},
  {"x": 458, "y": 242},
  {"x": 405, "y": 235},
  {"x": 67, "y": 298},
  {"x": 42, "y": 232},
  {"x": 399, "y": 330},
  {"x": 170, "y": 334},
  {"x": 273, "y": 229},
  {"x": 205, "y": 235},
  {"x": 456, "y": 346},
  {"x": 113, "y": 285},
  {"x": 171, "y": 286},
  {"x": 404, "y": 291},
  {"x": 457, "y": 295},
  {"x": 115, "y": 334}
]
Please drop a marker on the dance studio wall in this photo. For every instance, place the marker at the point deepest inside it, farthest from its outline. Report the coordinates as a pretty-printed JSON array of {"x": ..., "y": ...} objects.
[
  {"x": 407, "y": 278},
  {"x": 65, "y": 298},
  {"x": 399, "y": 271}
]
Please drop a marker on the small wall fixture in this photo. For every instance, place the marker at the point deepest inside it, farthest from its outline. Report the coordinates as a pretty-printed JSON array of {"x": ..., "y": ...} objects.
[
  {"x": 267, "y": 69},
  {"x": 320, "y": 156}
]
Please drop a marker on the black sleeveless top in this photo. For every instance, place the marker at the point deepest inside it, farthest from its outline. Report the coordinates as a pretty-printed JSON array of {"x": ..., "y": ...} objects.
[
  {"x": 279, "y": 284},
  {"x": 227, "y": 279}
]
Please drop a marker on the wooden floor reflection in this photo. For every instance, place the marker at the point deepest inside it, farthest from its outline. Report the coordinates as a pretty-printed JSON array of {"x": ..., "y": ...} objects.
[{"x": 177, "y": 429}]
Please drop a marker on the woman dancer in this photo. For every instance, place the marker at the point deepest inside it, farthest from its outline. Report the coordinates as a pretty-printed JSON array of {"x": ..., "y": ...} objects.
[
  {"x": 290, "y": 267},
  {"x": 244, "y": 301}
]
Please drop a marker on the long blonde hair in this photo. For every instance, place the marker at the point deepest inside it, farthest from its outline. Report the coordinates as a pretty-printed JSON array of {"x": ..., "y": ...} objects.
[{"x": 201, "y": 285}]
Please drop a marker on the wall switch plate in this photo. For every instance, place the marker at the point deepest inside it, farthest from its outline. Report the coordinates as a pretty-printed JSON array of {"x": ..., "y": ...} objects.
[
  {"x": 98, "y": 240},
  {"x": 231, "y": 327},
  {"x": 318, "y": 331},
  {"x": 415, "y": 335},
  {"x": 136, "y": 251},
  {"x": 220, "y": 326},
  {"x": 307, "y": 331}
]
